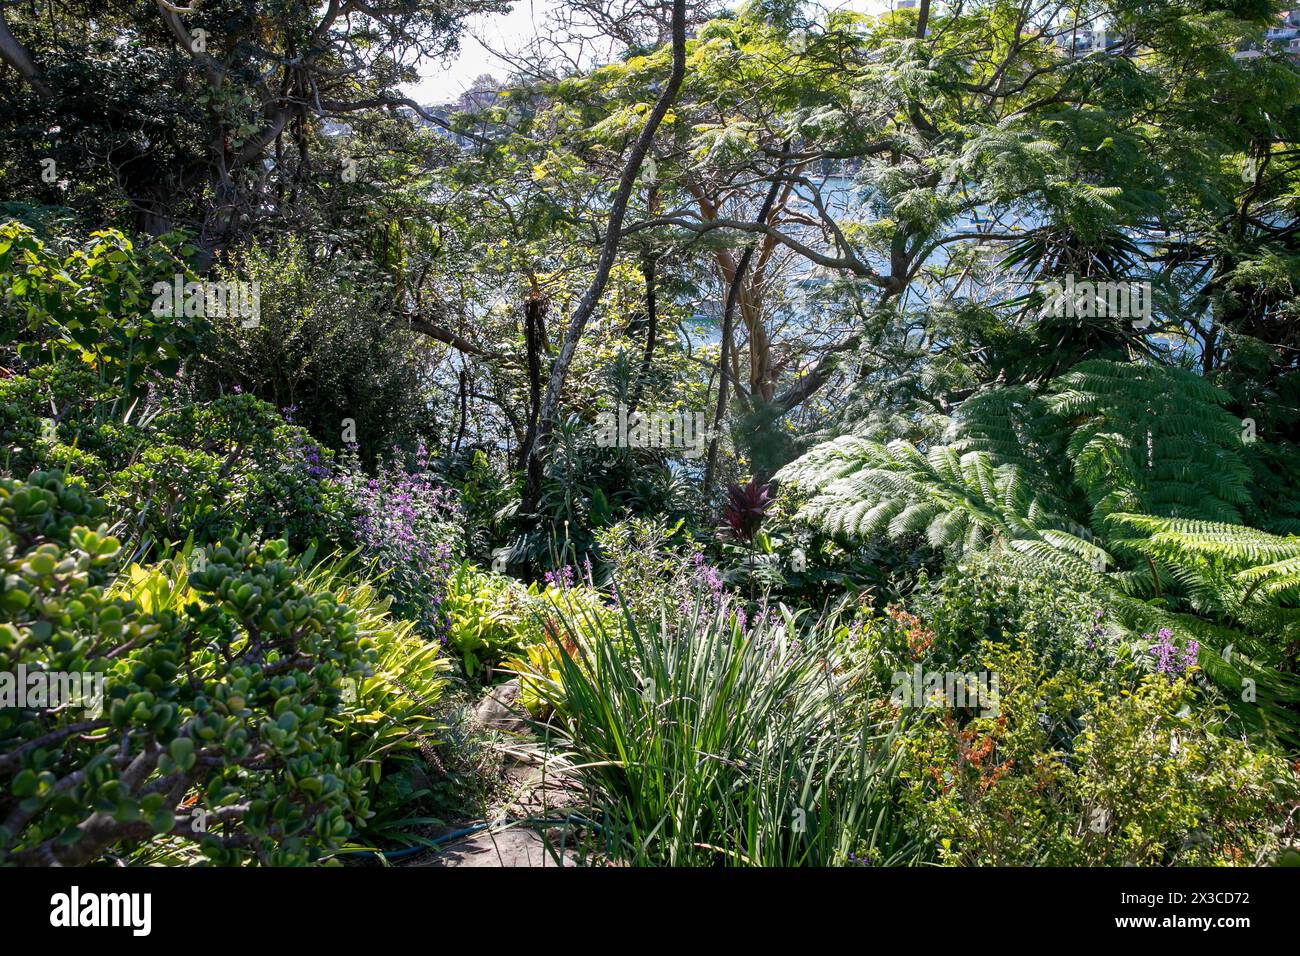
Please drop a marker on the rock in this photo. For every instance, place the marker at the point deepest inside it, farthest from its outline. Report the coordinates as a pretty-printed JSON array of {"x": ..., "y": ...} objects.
[{"x": 500, "y": 708}]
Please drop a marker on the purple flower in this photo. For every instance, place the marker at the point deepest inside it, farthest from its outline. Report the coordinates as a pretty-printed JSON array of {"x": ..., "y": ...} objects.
[
  {"x": 1168, "y": 659},
  {"x": 407, "y": 523},
  {"x": 562, "y": 579}
]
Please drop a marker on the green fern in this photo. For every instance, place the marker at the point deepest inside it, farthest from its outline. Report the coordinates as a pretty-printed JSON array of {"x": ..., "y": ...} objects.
[
  {"x": 1151, "y": 439},
  {"x": 1129, "y": 477},
  {"x": 959, "y": 502},
  {"x": 1252, "y": 564}
]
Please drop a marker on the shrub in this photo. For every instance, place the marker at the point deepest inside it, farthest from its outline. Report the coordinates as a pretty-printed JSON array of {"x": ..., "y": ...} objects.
[
  {"x": 644, "y": 556},
  {"x": 1165, "y": 784},
  {"x": 494, "y": 620},
  {"x": 482, "y": 619},
  {"x": 171, "y": 468},
  {"x": 407, "y": 526},
  {"x": 226, "y": 722},
  {"x": 1066, "y": 776},
  {"x": 1098, "y": 752},
  {"x": 329, "y": 343},
  {"x": 554, "y": 622},
  {"x": 393, "y": 723},
  {"x": 989, "y": 599},
  {"x": 94, "y": 304}
]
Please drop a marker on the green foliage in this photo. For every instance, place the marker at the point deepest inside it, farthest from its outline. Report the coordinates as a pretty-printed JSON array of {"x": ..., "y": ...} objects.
[
  {"x": 225, "y": 719},
  {"x": 484, "y": 496},
  {"x": 492, "y": 619},
  {"x": 1087, "y": 757},
  {"x": 588, "y": 487},
  {"x": 482, "y": 621},
  {"x": 329, "y": 346},
  {"x": 393, "y": 717},
  {"x": 407, "y": 526},
  {"x": 961, "y": 502},
  {"x": 703, "y": 744},
  {"x": 1151, "y": 439},
  {"x": 1116, "y": 501},
  {"x": 94, "y": 304},
  {"x": 174, "y": 469},
  {"x": 1066, "y": 775},
  {"x": 644, "y": 555},
  {"x": 1141, "y": 438}
]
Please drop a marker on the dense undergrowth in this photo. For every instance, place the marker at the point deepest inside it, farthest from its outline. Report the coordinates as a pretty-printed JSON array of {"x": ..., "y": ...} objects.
[{"x": 910, "y": 570}]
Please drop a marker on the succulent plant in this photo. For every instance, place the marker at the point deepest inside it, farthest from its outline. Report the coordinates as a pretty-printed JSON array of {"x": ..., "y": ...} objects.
[{"x": 223, "y": 719}]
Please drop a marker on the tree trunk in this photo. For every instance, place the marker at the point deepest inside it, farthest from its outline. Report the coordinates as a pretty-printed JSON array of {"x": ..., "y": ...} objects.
[
  {"x": 648, "y": 264},
  {"x": 535, "y": 344},
  {"x": 729, "y": 307},
  {"x": 535, "y": 452}
]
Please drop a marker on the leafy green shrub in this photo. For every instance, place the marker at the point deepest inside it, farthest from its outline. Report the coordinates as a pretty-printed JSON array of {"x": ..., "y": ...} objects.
[
  {"x": 392, "y": 716},
  {"x": 1096, "y": 752},
  {"x": 173, "y": 469},
  {"x": 239, "y": 700},
  {"x": 329, "y": 344},
  {"x": 1041, "y": 610},
  {"x": 644, "y": 556},
  {"x": 555, "y": 621},
  {"x": 95, "y": 305},
  {"x": 485, "y": 497},
  {"x": 1171, "y": 786},
  {"x": 1066, "y": 775},
  {"x": 482, "y": 618},
  {"x": 494, "y": 620}
]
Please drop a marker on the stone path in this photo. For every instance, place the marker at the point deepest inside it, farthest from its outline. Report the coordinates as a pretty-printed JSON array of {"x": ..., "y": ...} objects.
[
  {"x": 515, "y": 838},
  {"x": 517, "y": 846}
]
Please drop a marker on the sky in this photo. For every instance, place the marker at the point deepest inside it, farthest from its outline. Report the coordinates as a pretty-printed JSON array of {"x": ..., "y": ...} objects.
[{"x": 442, "y": 82}]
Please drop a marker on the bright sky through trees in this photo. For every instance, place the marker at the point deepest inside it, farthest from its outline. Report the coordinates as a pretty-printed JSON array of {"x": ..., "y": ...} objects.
[{"x": 489, "y": 35}]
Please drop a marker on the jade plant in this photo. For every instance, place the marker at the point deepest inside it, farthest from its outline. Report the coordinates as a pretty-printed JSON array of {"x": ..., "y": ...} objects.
[{"x": 229, "y": 686}]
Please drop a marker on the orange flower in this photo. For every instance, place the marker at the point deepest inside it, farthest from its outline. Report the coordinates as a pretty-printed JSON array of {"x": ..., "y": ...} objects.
[{"x": 919, "y": 637}]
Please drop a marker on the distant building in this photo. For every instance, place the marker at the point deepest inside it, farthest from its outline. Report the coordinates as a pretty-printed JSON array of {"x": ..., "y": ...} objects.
[
  {"x": 1084, "y": 42},
  {"x": 1285, "y": 36}
]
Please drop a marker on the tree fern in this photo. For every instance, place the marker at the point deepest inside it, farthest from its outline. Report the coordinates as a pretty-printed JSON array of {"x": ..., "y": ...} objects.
[
  {"x": 1151, "y": 439},
  {"x": 1140, "y": 494},
  {"x": 959, "y": 502},
  {"x": 1261, "y": 566}
]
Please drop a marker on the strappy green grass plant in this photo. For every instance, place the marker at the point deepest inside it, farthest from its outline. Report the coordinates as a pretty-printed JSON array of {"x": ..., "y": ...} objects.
[{"x": 705, "y": 742}]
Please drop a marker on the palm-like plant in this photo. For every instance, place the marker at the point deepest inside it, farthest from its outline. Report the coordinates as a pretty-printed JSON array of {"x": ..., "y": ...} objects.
[{"x": 746, "y": 508}]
